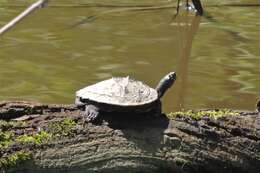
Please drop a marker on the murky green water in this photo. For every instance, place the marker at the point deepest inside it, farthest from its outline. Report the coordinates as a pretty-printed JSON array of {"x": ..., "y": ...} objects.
[{"x": 217, "y": 57}]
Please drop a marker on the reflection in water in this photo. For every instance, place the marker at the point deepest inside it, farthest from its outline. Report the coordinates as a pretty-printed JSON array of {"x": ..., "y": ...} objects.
[
  {"x": 41, "y": 61},
  {"x": 187, "y": 32}
]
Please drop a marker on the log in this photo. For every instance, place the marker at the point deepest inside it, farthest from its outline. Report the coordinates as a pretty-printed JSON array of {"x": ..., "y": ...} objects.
[{"x": 57, "y": 140}]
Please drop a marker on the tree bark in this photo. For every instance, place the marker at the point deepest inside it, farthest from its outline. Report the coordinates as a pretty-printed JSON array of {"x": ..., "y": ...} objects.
[{"x": 135, "y": 143}]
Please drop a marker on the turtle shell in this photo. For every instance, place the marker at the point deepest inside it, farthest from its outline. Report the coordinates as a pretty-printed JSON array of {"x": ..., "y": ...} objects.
[{"x": 118, "y": 91}]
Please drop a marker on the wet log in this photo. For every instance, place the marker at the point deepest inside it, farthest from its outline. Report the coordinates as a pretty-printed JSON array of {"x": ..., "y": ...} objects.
[{"x": 126, "y": 142}]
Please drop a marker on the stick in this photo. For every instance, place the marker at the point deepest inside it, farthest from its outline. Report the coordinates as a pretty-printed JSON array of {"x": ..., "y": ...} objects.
[{"x": 30, "y": 9}]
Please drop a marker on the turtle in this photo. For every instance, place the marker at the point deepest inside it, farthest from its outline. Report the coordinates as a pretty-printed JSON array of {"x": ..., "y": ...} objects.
[{"x": 122, "y": 94}]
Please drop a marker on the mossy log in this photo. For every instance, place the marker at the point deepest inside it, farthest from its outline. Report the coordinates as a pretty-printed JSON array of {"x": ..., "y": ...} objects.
[{"x": 54, "y": 138}]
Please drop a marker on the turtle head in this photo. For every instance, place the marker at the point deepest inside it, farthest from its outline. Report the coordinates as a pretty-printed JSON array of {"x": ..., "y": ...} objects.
[{"x": 165, "y": 83}]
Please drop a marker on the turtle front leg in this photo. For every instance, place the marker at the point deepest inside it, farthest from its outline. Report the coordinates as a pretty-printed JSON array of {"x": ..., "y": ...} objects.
[
  {"x": 91, "y": 113},
  {"x": 158, "y": 109}
]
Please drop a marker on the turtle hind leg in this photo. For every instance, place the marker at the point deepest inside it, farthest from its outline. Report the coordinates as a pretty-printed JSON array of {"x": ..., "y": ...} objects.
[{"x": 91, "y": 113}]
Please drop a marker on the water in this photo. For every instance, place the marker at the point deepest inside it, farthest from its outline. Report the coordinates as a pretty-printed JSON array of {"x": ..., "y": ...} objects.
[{"x": 47, "y": 57}]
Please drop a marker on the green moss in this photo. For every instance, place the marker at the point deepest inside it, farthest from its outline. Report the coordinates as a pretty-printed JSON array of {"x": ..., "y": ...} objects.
[
  {"x": 12, "y": 124},
  {"x": 15, "y": 158},
  {"x": 54, "y": 129},
  {"x": 38, "y": 138},
  {"x": 6, "y": 139},
  {"x": 10, "y": 157},
  {"x": 62, "y": 128},
  {"x": 197, "y": 115}
]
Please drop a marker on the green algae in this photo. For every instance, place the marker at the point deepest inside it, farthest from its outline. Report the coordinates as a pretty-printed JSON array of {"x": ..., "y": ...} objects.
[{"x": 197, "y": 115}]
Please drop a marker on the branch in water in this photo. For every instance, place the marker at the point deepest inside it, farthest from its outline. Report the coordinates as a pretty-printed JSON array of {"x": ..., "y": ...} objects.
[{"x": 17, "y": 19}]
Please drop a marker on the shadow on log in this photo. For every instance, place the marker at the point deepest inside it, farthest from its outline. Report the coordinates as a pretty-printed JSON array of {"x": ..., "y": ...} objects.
[{"x": 57, "y": 140}]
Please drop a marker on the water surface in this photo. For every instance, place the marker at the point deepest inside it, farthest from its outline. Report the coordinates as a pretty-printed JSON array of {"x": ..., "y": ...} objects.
[{"x": 47, "y": 57}]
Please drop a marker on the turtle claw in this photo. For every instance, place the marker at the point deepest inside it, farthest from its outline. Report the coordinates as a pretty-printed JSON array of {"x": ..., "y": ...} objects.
[{"x": 91, "y": 113}]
